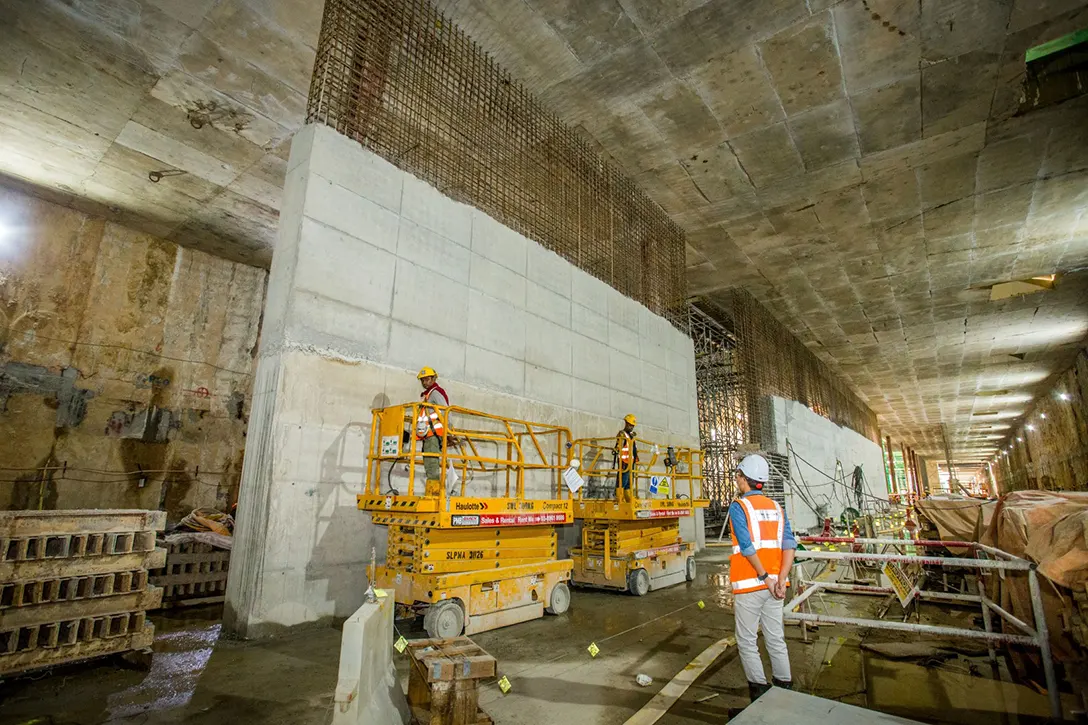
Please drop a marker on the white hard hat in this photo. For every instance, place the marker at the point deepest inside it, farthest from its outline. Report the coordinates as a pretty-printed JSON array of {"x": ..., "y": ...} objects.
[{"x": 755, "y": 468}]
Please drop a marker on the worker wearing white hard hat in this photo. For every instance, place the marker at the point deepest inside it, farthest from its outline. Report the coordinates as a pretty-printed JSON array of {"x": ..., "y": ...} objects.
[
  {"x": 429, "y": 428},
  {"x": 626, "y": 456},
  {"x": 763, "y": 550}
]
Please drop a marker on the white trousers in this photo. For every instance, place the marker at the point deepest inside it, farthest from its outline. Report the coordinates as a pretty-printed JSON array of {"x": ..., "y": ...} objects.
[{"x": 752, "y": 610}]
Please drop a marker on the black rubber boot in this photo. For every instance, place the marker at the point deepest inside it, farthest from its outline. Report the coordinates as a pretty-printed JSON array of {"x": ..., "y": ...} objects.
[
  {"x": 755, "y": 690},
  {"x": 784, "y": 684}
]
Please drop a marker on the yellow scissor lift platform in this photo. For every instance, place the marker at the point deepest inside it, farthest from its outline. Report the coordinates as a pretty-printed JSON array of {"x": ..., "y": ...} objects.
[
  {"x": 633, "y": 543},
  {"x": 476, "y": 562}
]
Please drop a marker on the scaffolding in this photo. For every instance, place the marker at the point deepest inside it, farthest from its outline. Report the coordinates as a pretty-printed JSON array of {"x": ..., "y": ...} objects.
[
  {"x": 894, "y": 567},
  {"x": 722, "y": 421}
]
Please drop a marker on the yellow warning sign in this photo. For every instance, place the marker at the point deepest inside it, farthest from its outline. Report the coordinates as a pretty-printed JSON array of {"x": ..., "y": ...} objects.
[
  {"x": 401, "y": 645},
  {"x": 504, "y": 685},
  {"x": 594, "y": 650},
  {"x": 902, "y": 582}
]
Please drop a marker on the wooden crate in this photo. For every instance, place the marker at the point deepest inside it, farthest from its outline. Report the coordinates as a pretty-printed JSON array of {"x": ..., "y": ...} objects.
[{"x": 442, "y": 684}]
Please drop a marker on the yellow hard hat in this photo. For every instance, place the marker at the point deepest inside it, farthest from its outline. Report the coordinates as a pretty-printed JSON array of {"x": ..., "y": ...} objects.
[
  {"x": 426, "y": 372},
  {"x": 630, "y": 418}
]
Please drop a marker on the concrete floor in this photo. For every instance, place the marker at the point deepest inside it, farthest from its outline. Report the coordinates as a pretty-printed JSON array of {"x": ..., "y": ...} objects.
[{"x": 197, "y": 678}]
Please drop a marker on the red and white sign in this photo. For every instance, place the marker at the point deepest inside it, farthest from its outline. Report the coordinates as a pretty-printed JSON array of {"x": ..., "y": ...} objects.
[
  {"x": 513, "y": 519},
  {"x": 662, "y": 513},
  {"x": 672, "y": 549}
]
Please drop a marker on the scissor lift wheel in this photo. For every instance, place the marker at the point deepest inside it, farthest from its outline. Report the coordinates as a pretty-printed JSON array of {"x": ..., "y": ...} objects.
[
  {"x": 444, "y": 620},
  {"x": 559, "y": 599},
  {"x": 638, "y": 582}
]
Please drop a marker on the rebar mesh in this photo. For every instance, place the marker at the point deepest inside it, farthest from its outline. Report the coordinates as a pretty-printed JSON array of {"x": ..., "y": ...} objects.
[
  {"x": 773, "y": 361},
  {"x": 743, "y": 357},
  {"x": 405, "y": 82}
]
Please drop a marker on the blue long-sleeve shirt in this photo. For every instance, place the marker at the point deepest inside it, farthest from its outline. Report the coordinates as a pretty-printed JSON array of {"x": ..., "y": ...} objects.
[{"x": 739, "y": 522}]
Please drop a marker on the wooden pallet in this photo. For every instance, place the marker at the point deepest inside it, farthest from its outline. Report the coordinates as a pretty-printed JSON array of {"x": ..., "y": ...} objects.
[{"x": 442, "y": 684}]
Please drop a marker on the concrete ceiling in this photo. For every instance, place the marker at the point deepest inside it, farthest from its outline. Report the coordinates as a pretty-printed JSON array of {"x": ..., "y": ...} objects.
[
  {"x": 96, "y": 94},
  {"x": 856, "y": 164}
]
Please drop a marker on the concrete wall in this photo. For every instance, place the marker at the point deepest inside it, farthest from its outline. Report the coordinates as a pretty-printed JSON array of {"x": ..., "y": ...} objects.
[
  {"x": 822, "y": 443},
  {"x": 119, "y": 351},
  {"x": 376, "y": 274}
]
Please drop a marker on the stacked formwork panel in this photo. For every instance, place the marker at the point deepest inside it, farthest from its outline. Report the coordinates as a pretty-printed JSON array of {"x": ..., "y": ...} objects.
[
  {"x": 74, "y": 585},
  {"x": 195, "y": 573}
]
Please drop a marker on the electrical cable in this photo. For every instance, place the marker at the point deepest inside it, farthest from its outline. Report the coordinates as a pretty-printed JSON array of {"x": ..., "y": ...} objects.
[
  {"x": 829, "y": 477},
  {"x": 111, "y": 473}
]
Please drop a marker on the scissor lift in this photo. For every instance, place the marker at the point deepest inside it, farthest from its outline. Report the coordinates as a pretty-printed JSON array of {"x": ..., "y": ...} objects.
[
  {"x": 635, "y": 545},
  {"x": 481, "y": 554}
]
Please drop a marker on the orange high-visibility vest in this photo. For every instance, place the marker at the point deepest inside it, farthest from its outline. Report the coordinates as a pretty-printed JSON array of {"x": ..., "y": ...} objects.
[
  {"x": 624, "y": 443},
  {"x": 429, "y": 423},
  {"x": 767, "y": 526}
]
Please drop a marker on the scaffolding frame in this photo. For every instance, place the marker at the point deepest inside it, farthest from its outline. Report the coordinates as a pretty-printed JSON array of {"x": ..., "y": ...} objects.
[
  {"x": 722, "y": 409},
  {"x": 987, "y": 561}
]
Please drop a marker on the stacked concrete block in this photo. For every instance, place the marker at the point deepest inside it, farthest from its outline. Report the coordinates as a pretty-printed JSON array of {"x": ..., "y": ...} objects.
[
  {"x": 75, "y": 585},
  {"x": 195, "y": 573}
]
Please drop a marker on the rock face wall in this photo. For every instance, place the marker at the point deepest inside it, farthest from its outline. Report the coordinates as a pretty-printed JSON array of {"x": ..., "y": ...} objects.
[
  {"x": 125, "y": 364},
  {"x": 1049, "y": 450}
]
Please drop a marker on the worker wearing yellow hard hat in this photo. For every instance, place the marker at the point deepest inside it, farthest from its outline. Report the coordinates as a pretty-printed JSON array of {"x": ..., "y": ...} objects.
[
  {"x": 626, "y": 455},
  {"x": 429, "y": 428}
]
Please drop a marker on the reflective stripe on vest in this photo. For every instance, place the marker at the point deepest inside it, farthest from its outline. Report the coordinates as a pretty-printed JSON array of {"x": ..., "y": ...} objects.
[
  {"x": 767, "y": 527},
  {"x": 625, "y": 450},
  {"x": 429, "y": 423}
]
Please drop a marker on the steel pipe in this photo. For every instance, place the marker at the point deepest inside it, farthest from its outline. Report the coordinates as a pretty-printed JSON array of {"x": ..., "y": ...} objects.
[
  {"x": 796, "y": 601},
  {"x": 998, "y": 552},
  {"x": 908, "y": 559},
  {"x": 798, "y": 617},
  {"x": 1044, "y": 645},
  {"x": 1010, "y": 617},
  {"x": 921, "y": 593},
  {"x": 925, "y": 543}
]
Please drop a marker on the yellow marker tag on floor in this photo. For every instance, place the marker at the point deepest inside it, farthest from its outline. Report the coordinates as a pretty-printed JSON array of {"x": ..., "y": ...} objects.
[
  {"x": 594, "y": 650},
  {"x": 701, "y": 605},
  {"x": 401, "y": 645},
  {"x": 504, "y": 685}
]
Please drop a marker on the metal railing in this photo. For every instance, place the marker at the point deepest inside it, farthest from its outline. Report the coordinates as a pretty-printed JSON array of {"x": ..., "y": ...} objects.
[
  {"x": 1001, "y": 562},
  {"x": 470, "y": 443},
  {"x": 682, "y": 466}
]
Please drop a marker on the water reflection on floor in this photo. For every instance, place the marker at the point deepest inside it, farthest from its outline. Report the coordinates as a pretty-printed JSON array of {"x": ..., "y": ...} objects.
[{"x": 196, "y": 676}]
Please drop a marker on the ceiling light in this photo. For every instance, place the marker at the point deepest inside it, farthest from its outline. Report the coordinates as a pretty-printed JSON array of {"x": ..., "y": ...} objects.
[
  {"x": 1019, "y": 439},
  {"x": 1063, "y": 396},
  {"x": 1030, "y": 426},
  {"x": 1042, "y": 415}
]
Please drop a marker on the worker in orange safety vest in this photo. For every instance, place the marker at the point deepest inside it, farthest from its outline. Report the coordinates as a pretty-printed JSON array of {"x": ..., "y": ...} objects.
[
  {"x": 626, "y": 456},
  {"x": 763, "y": 551},
  {"x": 429, "y": 428}
]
